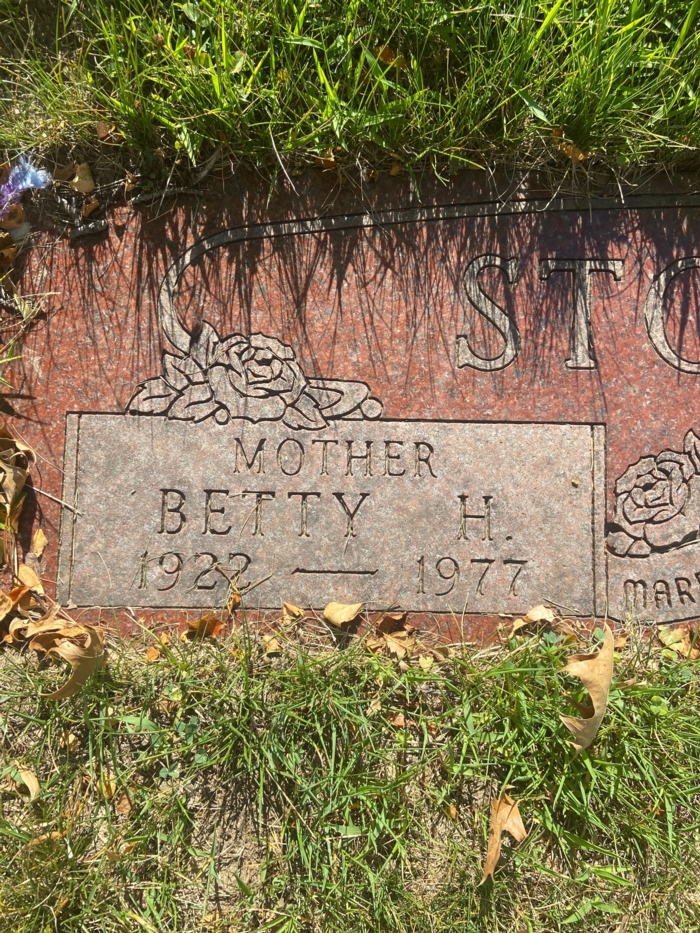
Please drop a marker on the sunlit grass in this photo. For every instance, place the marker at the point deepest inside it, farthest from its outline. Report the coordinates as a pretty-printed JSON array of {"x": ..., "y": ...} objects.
[
  {"x": 431, "y": 83},
  {"x": 220, "y": 787}
]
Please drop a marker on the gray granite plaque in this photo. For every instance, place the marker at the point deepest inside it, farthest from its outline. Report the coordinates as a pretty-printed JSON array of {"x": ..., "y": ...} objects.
[{"x": 436, "y": 516}]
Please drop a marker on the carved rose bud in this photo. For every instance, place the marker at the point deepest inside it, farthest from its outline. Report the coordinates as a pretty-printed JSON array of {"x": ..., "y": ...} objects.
[
  {"x": 657, "y": 503},
  {"x": 258, "y": 378}
]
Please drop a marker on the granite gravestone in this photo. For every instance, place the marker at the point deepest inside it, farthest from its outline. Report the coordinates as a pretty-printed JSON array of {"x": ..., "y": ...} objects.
[{"x": 462, "y": 410}]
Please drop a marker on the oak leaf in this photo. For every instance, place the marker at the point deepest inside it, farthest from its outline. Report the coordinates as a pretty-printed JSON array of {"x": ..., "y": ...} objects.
[
  {"x": 30, "y": 578},
  {"x": 505, "y": 818},
  {"x": 291, "y": 613},
  {"x": 29, "y": 779},
  {"x": 39, "y": 542},
  {"x": 82, "y": 646},
  {"x": 679, "y": 639},
  {"x": 400, "y": 644},
  {"x": 341, "y": 614},
  {"x": 207, "y": 626},
  {"x": 595, "y": 671}
]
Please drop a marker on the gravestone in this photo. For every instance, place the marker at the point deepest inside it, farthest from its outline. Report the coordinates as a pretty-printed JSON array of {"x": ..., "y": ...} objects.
[{"x": 461, "y": 409}]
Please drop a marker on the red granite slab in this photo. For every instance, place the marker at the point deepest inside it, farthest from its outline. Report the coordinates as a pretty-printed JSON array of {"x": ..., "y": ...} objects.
[{"x": 381, "y": 296}]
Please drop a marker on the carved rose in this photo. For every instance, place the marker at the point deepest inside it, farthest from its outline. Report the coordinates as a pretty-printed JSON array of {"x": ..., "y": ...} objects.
[
  {"x": 657, "y": 503},
  {"x": 256, "y": 377}
]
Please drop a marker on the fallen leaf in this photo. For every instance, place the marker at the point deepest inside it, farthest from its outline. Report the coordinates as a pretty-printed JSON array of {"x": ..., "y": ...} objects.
[
  {"x": 82, "y": 646},
  {"x": 326, "y": 159},
  {"x": 540, "y": 614},
  {"x": 65, "y": 172},
  {"x": 70, "y": 741},
  {"x": 432, "y": 727},
  {"x": 392, "y": 622},
  {"x": 451, "y": 811},
  {"x": 130, "y": 182},
  {"x": 398, "y": 722},
  {"x": 385, "y": 55},
  {"x": 374, "y": 707},
  {"x": 29, "y": 779},
  {"x": 7, "y": 255},
  {"x": 573, "y": 152},
  {"x": 272, "y": 645},
  {"x": 41, "y": 840},
  {"x": 153, "y": 653},
  {"x": 505, "y": 818},
  {"x": 620, "y": 642},
  {"x": 106, "y": 786},
  {"x": 291, "y": 613},
  {"x": 679, "y": 639},
  {"x": 103, "y": 130},
  {"x": 83, "y": 181},
  {"x": 595, "y": 671},
  {"x": 425, "y": 661},
  {"x": 123, "y": 805},
  {"x": 14, "y": 218},
  {"x": 90, "y": 206},
  {"x": 164, "y": 638},
  {"x": 39, "y": 542},
  {"x": 29, "y": 577},
  {"x": 9, "y": 601},
  {"x": 340, "y": 614},
  {"x": 400, "y": 644},
  {"x": 190, "y": 52},
  {"x": 207, "y": 626},
  {"x": 395, "y": 169}
]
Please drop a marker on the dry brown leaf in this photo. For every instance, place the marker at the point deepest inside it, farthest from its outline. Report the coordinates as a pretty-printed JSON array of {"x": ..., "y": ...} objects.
[
  {"x": 164, "y": 638},
  {"x": 14, "y": 218},
  {"x": 400, "y": 644},
  {"x": 106, "y": 786},
  {"x": 395, "y": 169},
  {"x": 83, "y": 181},
  {"x": 540, "y": 614},
  {"x": 374, "y": 707},
  {"x": 451, "y": 811},
  {"x": 291, "y": 613},
  {"x": 5, "y": 169},
  {"x": 16, "y": 459},
  {"x": 375, "y": 645},
  {"x": 326, "y": 159},
  {"x": 90, "y": 206},
  {"x": 207, "y": 626},
  {"x": 679, "y": 639},
  {"x": 595, "y": 671},
  {"x": 70, "y": 741},
  {"x": 385, "y": 55},
  {"x": 399, "y": 721},
  {"x": 103, "y": 130},
  {"x": 573, "y": 152},
  {"x": 29, "y": 577},
  {"x": 41, "y": 840},
  {"x": 432, "y": 727},
  {"x": 39, "y": 542},
  {"x": 123, "y": 805},
  {"x": 392, "y": 622},
  {"x": 505, "y": 818},
  {"x": 426, "y": 661},
  {"x": 7, "y": 255},
  {"x": 152, "y": 653},
  {"x": 82, "y": 646},
  {"x": 30, "y": 780},
  {"x": 620, "y": 642},
  {"x": 65, "y": 172},
  {"x": 271, "y": 644},
  {"x": 341, "y": 614}
]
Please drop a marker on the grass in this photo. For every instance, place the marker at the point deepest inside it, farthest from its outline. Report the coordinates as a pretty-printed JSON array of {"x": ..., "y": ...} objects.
[
  {"x": 608, "y": 84},
  {"x": 220, "y": 787}
]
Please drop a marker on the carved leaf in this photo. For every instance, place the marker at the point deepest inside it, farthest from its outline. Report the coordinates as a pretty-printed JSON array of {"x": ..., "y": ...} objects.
[
  {"x": 203, "y": 346},
  {"x": 336, "y": 398},
  {"x": 195, "y": 404},
  {"x": 173, "y": 375},
  {"x": 305, "y": 413},
  {"x": 691, "y": 445},
  {"x": 153, "y": 397}
]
